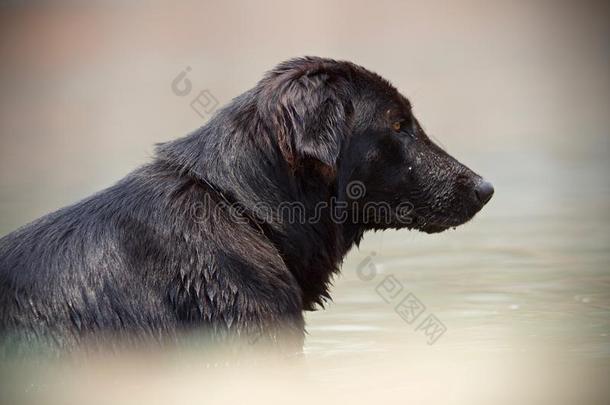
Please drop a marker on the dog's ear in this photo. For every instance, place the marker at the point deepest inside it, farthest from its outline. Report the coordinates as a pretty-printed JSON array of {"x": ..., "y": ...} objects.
[{"x": 310, "y": 112}]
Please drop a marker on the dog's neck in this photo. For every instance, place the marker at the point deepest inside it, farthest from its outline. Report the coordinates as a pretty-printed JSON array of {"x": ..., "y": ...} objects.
[{"x": 253, "y": 177}]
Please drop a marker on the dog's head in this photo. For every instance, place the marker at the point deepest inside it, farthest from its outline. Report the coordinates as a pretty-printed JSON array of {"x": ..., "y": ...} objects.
[{"x": 362, "y": 133}]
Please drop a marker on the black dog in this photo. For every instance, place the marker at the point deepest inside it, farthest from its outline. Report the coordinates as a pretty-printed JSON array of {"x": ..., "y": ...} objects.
[{"x": 196, "y": 240}]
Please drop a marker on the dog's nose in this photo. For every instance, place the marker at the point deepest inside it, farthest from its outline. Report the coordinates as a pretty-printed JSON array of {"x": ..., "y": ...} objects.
[{"x": 484, "y": 190}]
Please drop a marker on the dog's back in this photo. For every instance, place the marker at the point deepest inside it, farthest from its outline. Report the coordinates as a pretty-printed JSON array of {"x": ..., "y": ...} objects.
[{"x": 79, "y": 269}]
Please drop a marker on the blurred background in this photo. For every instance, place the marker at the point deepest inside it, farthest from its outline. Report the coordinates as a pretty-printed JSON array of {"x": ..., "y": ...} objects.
[{"x": 519, "y": 91}]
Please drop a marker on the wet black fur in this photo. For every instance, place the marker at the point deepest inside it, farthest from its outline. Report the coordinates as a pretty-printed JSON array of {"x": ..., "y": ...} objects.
[{"x": 156, "y": 254}]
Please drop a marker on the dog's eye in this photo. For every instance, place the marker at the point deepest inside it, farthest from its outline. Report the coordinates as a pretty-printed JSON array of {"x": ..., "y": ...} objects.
[{"x": 397, "y": 126}]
